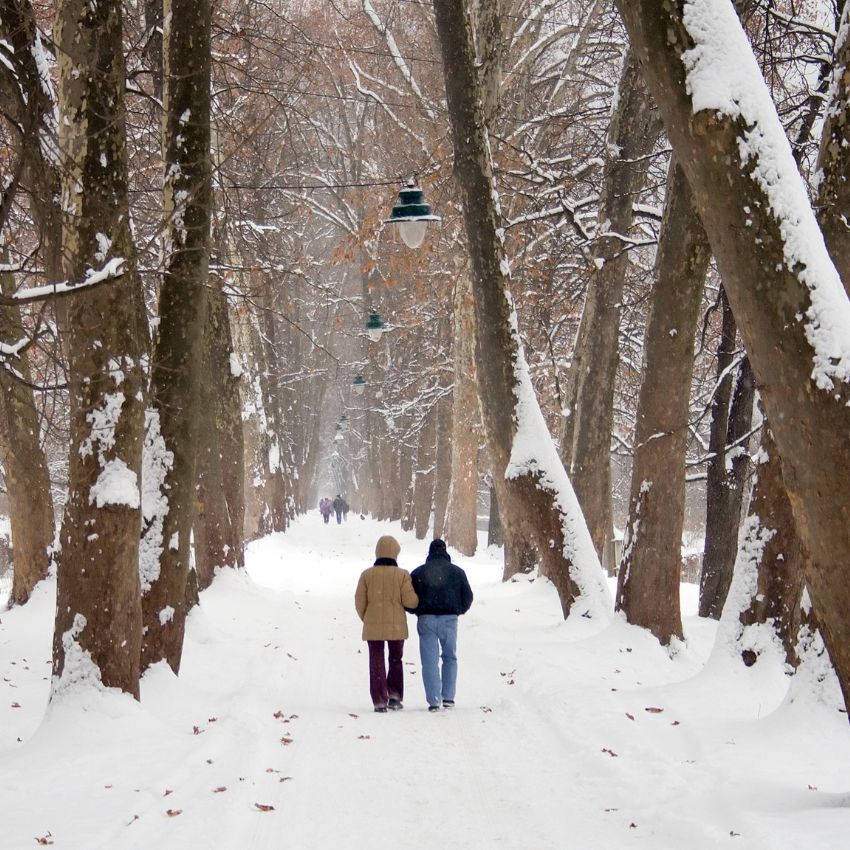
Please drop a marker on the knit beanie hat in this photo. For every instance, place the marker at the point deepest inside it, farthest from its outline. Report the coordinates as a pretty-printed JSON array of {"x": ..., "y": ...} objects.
[
  {"x": 387, "y": 547},
  {"x": 437, "y": 548}
]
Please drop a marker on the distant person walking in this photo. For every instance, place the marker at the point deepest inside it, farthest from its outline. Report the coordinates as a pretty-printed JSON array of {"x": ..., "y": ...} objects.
[
  {"x": 325, "y": 508},
  {"x": 383, "y": 592},
  {"x": 444, "y": 594},
  {"x": 338, "y": 504},
  {"x": 345, "y": 509}
]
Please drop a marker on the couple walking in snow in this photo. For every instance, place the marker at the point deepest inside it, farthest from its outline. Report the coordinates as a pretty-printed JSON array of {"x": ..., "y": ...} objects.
[{"x": 438, "y": 592}]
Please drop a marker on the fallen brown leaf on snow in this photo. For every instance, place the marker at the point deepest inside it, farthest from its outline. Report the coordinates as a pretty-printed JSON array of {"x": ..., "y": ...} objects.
[
  {"x": 264, "y": 807},
  {"x": 630, "y": 716},
  {"x": 172, "y": 813},
  {"x": 610, "y": 752},
  {"x": 44, "y": 840},
  {"x": 286, "y": 741},
  {"x": 653, "y": 710},
  {"x": 219, "y": 789}
]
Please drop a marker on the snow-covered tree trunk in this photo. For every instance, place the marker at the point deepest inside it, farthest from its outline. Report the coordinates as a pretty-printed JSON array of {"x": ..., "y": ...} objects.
[
  {"x": 275, "y": 484},
  {"x": 586, "y": 441},
  {"x": 23, "y": 460},
  {"x": 779, "y": 563},
  {"x": 776, "y": 599},
  {"x": 461, "y": 532},
  {"x": 731, "y": 418},
  {"x": 220, "y": 495},
  {"x": 785, "y": 292},
  {"x": 490, "y": 48},
  {"x": 537, "y": 500},
  {"x": 650, "y": 573},
  {"x": 249, "y": 351},
  {"x": 98, "y": 632},
  {"x": 178, "y": 348}
]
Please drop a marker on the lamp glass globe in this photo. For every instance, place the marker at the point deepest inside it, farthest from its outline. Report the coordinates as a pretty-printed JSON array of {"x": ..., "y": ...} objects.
[{"x": 412, "y": 232}]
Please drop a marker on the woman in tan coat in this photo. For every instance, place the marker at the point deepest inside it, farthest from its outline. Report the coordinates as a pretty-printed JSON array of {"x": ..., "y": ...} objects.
[{"x": 383, "y": 592}]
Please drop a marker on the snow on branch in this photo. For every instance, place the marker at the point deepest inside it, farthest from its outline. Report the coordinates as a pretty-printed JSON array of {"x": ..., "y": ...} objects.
[
  {"x": 722, "y": 76},
  {"x": 398, "y": 59},
  {"x": 111, "y": 271}
]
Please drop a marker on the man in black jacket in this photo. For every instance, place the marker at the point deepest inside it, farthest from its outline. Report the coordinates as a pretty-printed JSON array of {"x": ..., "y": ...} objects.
[{"x": 444, "y": 594}]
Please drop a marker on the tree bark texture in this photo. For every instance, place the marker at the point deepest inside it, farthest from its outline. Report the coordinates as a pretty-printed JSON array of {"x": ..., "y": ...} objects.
[
  {"x": 781, "y": 564},
  {"x": 178, "y": 349},
  {"x": 832, "y": 200},
  {"x": 731, "y": 418},
  {"x": 424, "y": 477},
  {"x": 531, "y": 510},
  {"x": 98, "y": 610},
  {"x": 494, "y": 526},
  {"x": 650, "y": 573},
  {"x": 586, "y": 442},
  {"x": 461, "y": 520},
  {"x": 811, "y": 423},
  {"x": 24, "y": 463},
  {"x": 443, "y": 465},
  {"x": 220, "y": 494}
]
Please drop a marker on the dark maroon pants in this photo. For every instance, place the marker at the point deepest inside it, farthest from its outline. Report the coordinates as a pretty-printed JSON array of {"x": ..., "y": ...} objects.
[{"x": 384, "y": 686}]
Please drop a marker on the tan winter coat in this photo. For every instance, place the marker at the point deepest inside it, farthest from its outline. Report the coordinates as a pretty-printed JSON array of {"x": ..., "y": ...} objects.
[{"x": 383, "y": 593}]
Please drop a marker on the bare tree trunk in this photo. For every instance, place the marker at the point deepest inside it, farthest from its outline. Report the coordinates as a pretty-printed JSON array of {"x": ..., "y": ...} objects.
[
  {"x": 26, "y": 102},
  {"x": 98, "y": 610},
  {"x": 175, "y": 372},
  {"x": 832, "y": 201},
  {"x": 461, "y": 531},
  {"x": 423, "y": 479},
  {"x": 778, "y": 303},
  {"x": 648, "y": 583},
  {"x": 220, "y": 495},
  {"x": 586, "y": 442},
  {"x": 443, "y": 465},
  {"x": 537, "y": 500},
  {"x": 24, "y": 463},
  {"x": 731, "y": 418},
  {"x": 494, "y": 526},
  {"x": 778, "y": 560}
]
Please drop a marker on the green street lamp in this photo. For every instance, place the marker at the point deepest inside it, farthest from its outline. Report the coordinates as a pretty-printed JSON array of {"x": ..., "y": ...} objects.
[
  {"x": 374, "y": 326},
  {"x": 412, "y": 215},
  {"x": 359, "y": 385}
]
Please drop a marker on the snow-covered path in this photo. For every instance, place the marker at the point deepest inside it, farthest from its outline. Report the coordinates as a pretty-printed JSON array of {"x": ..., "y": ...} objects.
[{"x": 268, "y": 740}]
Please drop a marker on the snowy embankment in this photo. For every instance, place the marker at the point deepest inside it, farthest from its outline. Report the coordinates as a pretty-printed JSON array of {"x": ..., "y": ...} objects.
[{"x": 566, "y": 734}]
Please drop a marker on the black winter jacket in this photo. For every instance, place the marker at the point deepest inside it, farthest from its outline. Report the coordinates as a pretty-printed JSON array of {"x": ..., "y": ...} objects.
[{"x": 442, "y": 587}]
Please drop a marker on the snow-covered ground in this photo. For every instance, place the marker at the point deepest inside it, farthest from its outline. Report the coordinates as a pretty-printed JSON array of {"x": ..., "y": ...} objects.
[{"x": 575, "y": 734}]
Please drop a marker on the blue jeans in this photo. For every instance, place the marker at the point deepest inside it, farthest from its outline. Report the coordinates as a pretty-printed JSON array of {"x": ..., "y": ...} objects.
[{"x": 438, "y": 639}]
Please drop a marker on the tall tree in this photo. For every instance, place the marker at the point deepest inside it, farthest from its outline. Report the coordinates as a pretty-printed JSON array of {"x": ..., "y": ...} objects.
[
  {"x": 537, "y": 501},
  {"x": 23, "y": 459},
  {"x": 731, "y": 417},
  {"x": 650, "y": 573},
  {"x": 461, "y": 529},
  {"x": 98, "y": 611},
  {"x": 27, "y": 102},
  {"x": 786, "y": 294},
  {"x": 175, "y": 409},
  {"x": 586, "y": 440}
]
